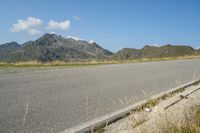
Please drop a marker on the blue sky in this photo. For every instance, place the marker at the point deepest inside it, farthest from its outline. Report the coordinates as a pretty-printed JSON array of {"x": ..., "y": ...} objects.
[{"x": 114, "y": 24}]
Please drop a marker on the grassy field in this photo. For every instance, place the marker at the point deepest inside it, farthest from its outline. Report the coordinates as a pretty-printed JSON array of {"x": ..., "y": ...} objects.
[{"x": 89, "y": 63}]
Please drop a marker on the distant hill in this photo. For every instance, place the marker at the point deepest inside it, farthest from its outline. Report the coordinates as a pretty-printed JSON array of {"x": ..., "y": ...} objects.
[
  {"x": 197, "y": 52},
  {"x": 52, "y": 47},
  {"x": 9, "y": 51},
  {"x": 153, "y": 52},
  {"x": 127, "y": 54}
]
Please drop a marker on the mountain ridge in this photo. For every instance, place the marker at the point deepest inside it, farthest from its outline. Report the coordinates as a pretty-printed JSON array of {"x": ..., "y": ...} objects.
[
  {"x": 50, "y": 47},
  {"x": 147, "y": 51}
]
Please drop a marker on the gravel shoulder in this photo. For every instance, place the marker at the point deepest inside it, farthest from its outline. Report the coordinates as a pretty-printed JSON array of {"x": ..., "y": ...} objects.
[{"x": 173, "y": 111}]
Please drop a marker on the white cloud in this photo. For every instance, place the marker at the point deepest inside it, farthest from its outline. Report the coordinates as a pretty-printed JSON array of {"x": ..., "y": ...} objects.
[
  {"x": 77, "y": 17},
  {"x": 32, "y": 26},
  {"x": 34, "y": 32},
  {"x": 156, "y": 45},
  {"x": 91, "y": 41},
  {"x": 53, "y": 32},
  {"x": 79, "y": 39},
  {"x": 75, "y": 38},
  {"x": 59, "y": 25},
  {"x": 23, "y": 25}
]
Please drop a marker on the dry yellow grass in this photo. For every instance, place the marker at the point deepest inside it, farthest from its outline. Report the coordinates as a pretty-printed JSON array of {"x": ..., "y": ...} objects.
[
  {"x": 192, "y": 126},
  {"x": 89, "y": 62}
]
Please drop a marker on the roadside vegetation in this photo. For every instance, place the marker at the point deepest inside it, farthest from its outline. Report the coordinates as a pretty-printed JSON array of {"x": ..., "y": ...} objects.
[
  {"x": 191, "y": 126},
  {"x": 191, "y": 123},
  {"x": 89, "y": 62}
]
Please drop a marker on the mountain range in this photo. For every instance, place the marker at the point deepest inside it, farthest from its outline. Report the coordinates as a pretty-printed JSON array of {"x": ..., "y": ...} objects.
[{"x": 51, "y": 47}]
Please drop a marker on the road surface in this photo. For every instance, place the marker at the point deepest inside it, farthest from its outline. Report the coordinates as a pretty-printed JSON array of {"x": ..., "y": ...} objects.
[{"x": 54, "y": 99}]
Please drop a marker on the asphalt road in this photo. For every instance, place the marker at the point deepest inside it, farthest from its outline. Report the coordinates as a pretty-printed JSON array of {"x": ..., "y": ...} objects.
[{"x": 53, "y": 99}]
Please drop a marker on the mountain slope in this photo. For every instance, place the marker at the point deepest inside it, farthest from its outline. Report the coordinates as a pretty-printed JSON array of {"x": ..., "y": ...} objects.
[
  {"x": 126, "y": 54},
  {"x": 52, "y": 47}
]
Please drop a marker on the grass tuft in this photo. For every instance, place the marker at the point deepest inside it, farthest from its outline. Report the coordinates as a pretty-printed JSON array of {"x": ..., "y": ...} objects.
[
  {"x": 183, "y": 129},
  {"x": 136, "y": 123},
  {"x": 189, "y": 127},
  {"x": 197, "y": 117}
]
